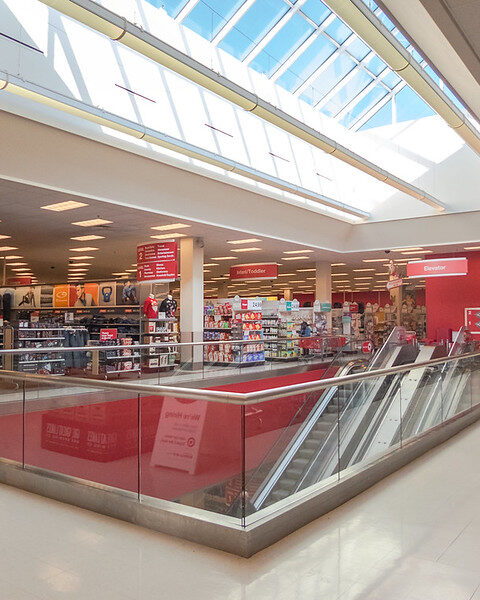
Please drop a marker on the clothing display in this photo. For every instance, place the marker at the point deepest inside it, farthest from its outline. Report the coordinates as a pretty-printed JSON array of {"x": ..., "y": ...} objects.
[
  {"x": 75, "y": 338},
  {"x": 150, "y": 308},
  {"x": 168, "y": 306}
]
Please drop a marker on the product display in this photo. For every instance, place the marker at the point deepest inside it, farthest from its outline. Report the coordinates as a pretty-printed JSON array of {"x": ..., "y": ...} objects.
[
  {"x": 123, "y": 361},
  {"x": 162, "y": 330},
  {"x": 150, "y": 307},
  {"x": 168, "y": 306}
]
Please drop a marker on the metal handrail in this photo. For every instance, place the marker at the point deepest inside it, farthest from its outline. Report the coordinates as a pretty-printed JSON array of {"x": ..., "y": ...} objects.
[{"x": 235, "y": 398}]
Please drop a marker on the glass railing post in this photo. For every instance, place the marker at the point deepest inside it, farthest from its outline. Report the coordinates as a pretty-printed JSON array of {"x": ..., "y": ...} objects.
[
  {"x": 139, "y": 446},
  {"x": 243, "y": 465},
  {"x": 24, "y": 402}
]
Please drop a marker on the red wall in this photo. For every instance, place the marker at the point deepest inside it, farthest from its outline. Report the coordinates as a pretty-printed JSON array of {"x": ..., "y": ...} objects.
[
  {"x": 373, "y": 297},
  {"x": 447, "y": 297}
]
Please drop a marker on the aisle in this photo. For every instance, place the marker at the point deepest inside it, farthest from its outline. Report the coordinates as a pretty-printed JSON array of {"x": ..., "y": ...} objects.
[{"x": 414, "y": 536}]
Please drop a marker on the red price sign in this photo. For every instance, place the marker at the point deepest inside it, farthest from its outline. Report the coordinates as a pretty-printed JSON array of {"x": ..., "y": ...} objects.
[{"x": 108, "y": 334}]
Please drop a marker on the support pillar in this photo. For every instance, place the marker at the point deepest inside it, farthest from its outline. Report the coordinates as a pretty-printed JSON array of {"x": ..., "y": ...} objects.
[
  {"x": 222, "y": 290},
  {"x": 323, "y": 286},
  {"x": 191, "y": 299},
  {"x": 288, "y": 294}
]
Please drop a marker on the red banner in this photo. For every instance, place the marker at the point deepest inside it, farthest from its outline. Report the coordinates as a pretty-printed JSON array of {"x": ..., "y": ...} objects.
[
  {"x": 161, "y": 251},
  {"x": 254, "y": 271},
  {"x": 157, "y": 271},
  {"x": 108, "y": 334},
  {"x": 438, "y": 267},
  {"x": 19, "y": 280}
]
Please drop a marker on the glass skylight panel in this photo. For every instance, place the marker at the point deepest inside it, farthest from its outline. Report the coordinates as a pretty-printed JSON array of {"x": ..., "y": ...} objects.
[
  {"x": 313, "y": 57},
  {"x": 391, "y": 79},
  {"x": 332, "y": 75},
  {"x": 338, "y": 31},
  {"x": 383, "y": 116},
  {"x": 209, "y": 16},
  {"x": 253, "y": 26},
  {"x": 287, "y": 40},
  {"x": 173, "y": 7},
  {"x": 316, "y": 11},
  {"x": 364, "y": 105},
  {"x": 358, "y": 49},
  {"x": 347, "y": 93},
  {"x": 410, "y": 106},
  {"x": 375, "y": 65}
]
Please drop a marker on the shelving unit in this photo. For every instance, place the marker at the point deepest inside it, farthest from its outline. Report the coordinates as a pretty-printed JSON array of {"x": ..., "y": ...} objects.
[
  {"x": 159, "y": 331},
  {"x": 124, "y": 361}
]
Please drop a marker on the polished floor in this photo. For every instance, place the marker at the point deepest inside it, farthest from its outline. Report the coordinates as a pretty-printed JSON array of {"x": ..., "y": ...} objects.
[{"x": 414, "y": 536}]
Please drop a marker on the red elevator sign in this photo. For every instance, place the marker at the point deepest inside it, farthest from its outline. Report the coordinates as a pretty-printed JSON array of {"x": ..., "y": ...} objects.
[{"x": 437, "y": 267}]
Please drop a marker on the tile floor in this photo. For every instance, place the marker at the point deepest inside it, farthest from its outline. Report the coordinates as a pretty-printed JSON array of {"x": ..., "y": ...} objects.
[{"x": 414, "y": 536}]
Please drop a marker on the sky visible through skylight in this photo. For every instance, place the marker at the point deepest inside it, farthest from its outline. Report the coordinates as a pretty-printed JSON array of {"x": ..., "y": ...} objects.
[{"x": 312, "y": 54}]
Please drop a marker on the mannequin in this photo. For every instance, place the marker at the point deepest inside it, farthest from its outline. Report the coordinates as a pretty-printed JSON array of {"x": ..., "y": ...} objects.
[
  {"x": 168, "y": 306},
  {"x": 150, "y": 307}
]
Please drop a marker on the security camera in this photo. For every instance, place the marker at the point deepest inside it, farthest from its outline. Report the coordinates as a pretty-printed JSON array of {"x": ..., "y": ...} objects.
[
  {"x": 387, "y": 251},
  {"x": 52, "y": 267}
]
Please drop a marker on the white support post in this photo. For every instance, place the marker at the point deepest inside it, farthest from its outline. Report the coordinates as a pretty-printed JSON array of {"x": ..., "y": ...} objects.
[
  {"x": 191, "y": 299},
  {"x": 323, "y": 286}
]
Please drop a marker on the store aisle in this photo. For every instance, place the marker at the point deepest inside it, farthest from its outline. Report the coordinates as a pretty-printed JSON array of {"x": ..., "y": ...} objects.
[{"x": 414, "y": 536}]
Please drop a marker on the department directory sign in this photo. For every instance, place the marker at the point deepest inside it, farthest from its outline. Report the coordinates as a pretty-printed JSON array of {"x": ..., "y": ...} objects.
[{"x": 157, "y": 262}]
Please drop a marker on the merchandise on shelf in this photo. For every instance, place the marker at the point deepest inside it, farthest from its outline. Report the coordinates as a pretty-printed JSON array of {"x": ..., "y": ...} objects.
[
  {"x": 121, "y": 361},
  {"x": 162, "y": 330}
]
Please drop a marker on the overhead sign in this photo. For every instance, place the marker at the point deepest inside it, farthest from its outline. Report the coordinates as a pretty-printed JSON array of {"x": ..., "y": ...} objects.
[
  {"x": 19, "y": 280},
  {"x": 254, "y": 271},
  {"x": 437, "y": 267},
  {"x": 160, "y": 251},
  {"x": 472, "y": 320},
  {"x": 394, "y": 283},
  {"x": 157, "y": 262}
]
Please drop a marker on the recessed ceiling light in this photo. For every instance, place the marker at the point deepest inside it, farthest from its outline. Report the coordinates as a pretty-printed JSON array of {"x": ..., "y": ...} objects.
[
  {"x": 84, "y": 249},
  {"x": 416, "y": 252},
  {"x": 210, "y": 264},
  {"x": 5, "y": 237},
  {"x": 370, "y": 260},
  {"x": 16, "y": 264},
  {"x": 92, "y": 222},
  {"x": 170, "y": 227},
  {"x": 224, "y": 257},
  {"x": 407, "y": 249},
  {"x": 7, "y": 248},
  {"x": 362, "y": 270},
  {"x": 246, "y": 241},
  {"x": 122, "y": 273},
  {"x": 472, "y": 248},
  {"x": 84, "y": 257},
  {"x": 343, "y": 281},
  {"x": 297, "y": 251},
  {"x": 338, "y": 264},
  {"x": 358, "y": 278},
  {"x": 286, "y": 274},
  {"x": 130, "y": 270},
  {"x": 83, "y": 264},
  {"x": 61, "y": 206},
  {"x": 168, "y": 236},
  {"x": 21, "y": 269},
  {"x": 245, "y": 249},
  {"x": 207, "y": 271},
  {"x": 338, "y": 274},
  {"x": 305, "y": 270},
  {"x": 87, "y": 238},
  {"x": 383, "y": 273},
  {"x": 295, "y": 258},
  {"x": 13, "y": 257}
]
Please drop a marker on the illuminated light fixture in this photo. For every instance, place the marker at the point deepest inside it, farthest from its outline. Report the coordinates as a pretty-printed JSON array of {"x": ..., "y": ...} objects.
[
  {"x": 246, "y": 249},
  {"x": 134, "y": 37},
  {"x": 84, "y": 249},
  {"x": 383, "y": 273},
  {"x": 416, "y": 252},
  {"x": 247, "y": 241},
  {"x": 120, "y": 274},
  {"x": 61, "y": 206},
  {"x": 338, "y": 274},
  {"x": 286, "y": 274},
  {"x": 224, "y": 257},
  {"x": 343, "y": 281},
  {"x": 170, "y": 227},
  {"x": 92, "y": 223},
  {"x": 16, "y": 264},
  {"x": 21, "y": 269},
  {"x": 310, "y": 278},
  {"x": 84, "y": 257},
  {"x": 407, "y": 249},
  {"x": 7, "y": 248},
  {"x": 295, "y": 258},
  {"x": 370, "y": 260},
  {"x": 83, "y": 264},
  {"x": 87, "y": 238},
  {"x": 362, "y": 270},
  {"x": 5, "y": 237},
  {"x": 359, "y": 278},
  {"x": 338, "y": 264},
  {"x": 12, "y": 257},
  {"x": 306, "y": 270},
  {"x": 297, "y": 251},
  {"x": 168, "y": 236},
  {"x": 210, "y": 264},
  {"x": 207, "y": 271},
  {"x": 472, "y": 248}
]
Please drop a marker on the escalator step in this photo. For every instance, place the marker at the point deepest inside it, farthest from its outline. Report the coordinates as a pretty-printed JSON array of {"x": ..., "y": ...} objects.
[
  {"x": 279, "y": 494},
  {"x": 293, "y": 472},
  {"x": 305, "y": 453}
]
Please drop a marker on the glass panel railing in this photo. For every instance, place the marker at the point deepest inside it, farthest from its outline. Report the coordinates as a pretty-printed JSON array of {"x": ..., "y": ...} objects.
[{"x": 11, "y": 419}]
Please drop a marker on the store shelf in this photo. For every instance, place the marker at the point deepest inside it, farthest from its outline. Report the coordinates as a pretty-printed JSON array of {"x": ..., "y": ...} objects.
[
  {"x": 39, "y": 339},
  {"x": 120, "y": 357},
  {"x": 121, "y": 371},
  {"x": 27, "y": 362}
]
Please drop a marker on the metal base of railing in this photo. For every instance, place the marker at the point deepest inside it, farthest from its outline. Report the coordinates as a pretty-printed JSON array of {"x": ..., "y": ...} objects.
[{"x": 262, "y": 529}]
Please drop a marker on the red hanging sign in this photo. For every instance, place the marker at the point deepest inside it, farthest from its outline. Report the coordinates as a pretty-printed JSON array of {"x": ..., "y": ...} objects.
[
  {"x": 437, "y": 267},
  {"x": 254, "y": 271},
  {"x": 157, "y": 262},
  {"x": 157, "y": 271},
  {"x": 108, "y": 334},
  {"x": 160, "y": 251}
]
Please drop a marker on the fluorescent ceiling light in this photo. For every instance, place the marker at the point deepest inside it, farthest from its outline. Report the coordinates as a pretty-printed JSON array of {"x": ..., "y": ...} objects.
[
  {"x": 246, "y": 249},
  {"x": 407, "y": 249},
  {"x": 472, "y": 248},
  {"x": 343, "y": 281},
  {"x": 5, "y": 237},
  {"x": 170, "y": 227},
  {"x": 295, "y": 258},
  {"x": 297, "y": 251},
  {"x": 224, "y": 257},
  {"x": 84, "y": 249},
  {"x": 205, "y": 265},
  {"x": 306, "y": 270},
  {"x": 16, "y": 264},
  {"x": 338, "y": 274},
  {"x": 286, "y": 274},
  {"x": 12, "y": 256},
  {"x": 120, "y": 274},
  {"x": 84, "y": 257},
  {"x": 168, "y": 236},
  {"x": 362, "y": 270},
  {"x": 92, "y": 222},
  {"x": 83, "y": 264},
  {"x": 7, "y": 248},
  {"x": 358, "y": 278},
  {"x": 61, "y": 206},
  {"x": 370, "y": 260},
  {"x": 247, "y": 241},
  {"x": 206, "y": 270},
  {"x": 416, "y": 252},
  {"x": 21, "y": 269},
  {"x": 87, "y": 238},
  {"x": 383, "y": 273}
]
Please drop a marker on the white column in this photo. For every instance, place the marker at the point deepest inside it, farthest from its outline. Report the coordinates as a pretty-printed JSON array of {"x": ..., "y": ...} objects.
[
  {"x": 288, "y": 294},
  {"x": 323, "y": 286},
  {"x": 191, "y": 298}
]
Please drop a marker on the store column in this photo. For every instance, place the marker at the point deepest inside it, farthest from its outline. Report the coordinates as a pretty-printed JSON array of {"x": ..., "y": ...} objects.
[
  {"x": 288, "y": 294},
  {"x": 191, "y": 299},
  {"x": 222, "y": 289},
  {"x": 323, "y": 286}
]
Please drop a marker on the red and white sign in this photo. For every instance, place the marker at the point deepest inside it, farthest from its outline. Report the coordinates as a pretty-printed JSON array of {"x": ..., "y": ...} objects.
[
  {"x": 19, "y": 281},
  {"x": 179, "y": 434},
  {"x": 254, "y": 271},
  {"x": 394, "y": 283},
  {"x": 158, "y": 271},
  {"x": 108, "y": 334},
  {"x": 472, "y": 320},
  {"x": 161, "y": 251},
  {"x": 367, "y": 347},
  {"x": 437, "y": 267}
]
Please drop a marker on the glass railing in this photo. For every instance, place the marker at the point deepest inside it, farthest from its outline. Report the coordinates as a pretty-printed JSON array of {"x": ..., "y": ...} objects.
[{"x": 236, "y": 452}]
